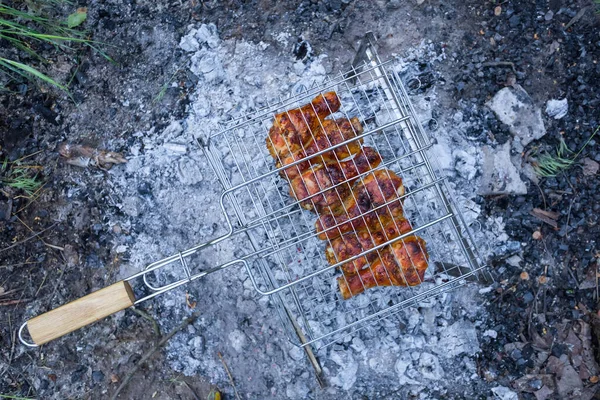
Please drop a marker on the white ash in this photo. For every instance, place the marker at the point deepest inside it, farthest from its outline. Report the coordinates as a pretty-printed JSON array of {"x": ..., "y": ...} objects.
[
  {"x": 557, "y": 109},
  {"x": 170, "y": 200}
]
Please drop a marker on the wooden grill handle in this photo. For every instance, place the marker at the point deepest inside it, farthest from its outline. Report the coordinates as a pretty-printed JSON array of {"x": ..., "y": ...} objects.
[{"x": 80, "y": 312}]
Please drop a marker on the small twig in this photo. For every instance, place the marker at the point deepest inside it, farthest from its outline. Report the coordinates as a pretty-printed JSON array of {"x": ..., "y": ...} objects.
[
  {"x": 237, "y": 396},
  {"x": 187, "y": 385},
  {"x": 148, "y": 317},
  {"x": 542, "y": 193},
  {"x": 548, "y": 217},
  {"x": 577, "y": 17},
  {"x": 568, "y": 219},
  {"x": 9, "y": 292},
  {"x": 19, "y": 264},
  {"x": 13, "y": 302},
  {"x": 152, "y": 351},
  {"x": 41, "y": 285},
  {"x": 42, "y": 240},
  {"x": 12, "y": 246}
]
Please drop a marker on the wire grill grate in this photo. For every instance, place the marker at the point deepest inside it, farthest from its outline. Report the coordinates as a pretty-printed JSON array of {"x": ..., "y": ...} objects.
[{"x": 286, "y": 259}]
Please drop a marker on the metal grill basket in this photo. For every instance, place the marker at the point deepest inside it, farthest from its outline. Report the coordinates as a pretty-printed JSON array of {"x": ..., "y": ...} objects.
[{"x": 276, "y": 239}]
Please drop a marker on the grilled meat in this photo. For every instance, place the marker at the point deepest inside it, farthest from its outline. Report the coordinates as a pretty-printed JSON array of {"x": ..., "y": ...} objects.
[
  {"x": 330, "y": 133},
  {"x": 353, "y": 243},
  {"x": 362, "y": 207},
  {"x": 323, "y": 176},
  {"x": 401, "y": 264},
  {"x": 292, "y": 129},
  {"x": 355, "y": 215}
]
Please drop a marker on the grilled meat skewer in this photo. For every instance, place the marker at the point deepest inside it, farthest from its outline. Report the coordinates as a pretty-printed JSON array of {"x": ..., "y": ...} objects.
[
  {"x": 360, "y": 208},
  {"x": 293, "y": 129},
  {"x": 323, "y": 176},
  {"x": 401, "y": 264},
  {"x": 353, "y": 243},
  {"x": 330, "y": 133}
]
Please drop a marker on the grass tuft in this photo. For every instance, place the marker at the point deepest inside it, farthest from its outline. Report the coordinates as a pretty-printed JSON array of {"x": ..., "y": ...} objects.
[
  {"x": 25, "y": 31},
  {"x": 20, "y": 176},
  {"x": 550, "y": 165}
]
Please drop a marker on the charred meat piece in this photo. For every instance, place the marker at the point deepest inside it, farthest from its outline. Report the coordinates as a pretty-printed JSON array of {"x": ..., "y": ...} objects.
[
  {"x": 352, "y": 244},
  {"x": 363, "y": 205},
  {"x": 292, "y": 129},
  {"x": 321, "y": 177},
  {"x": 401, "y": 264},
  {"x": 330, "y": 133}
]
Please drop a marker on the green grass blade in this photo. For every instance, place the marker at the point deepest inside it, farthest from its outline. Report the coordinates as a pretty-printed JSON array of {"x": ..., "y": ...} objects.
[{"x": 31, "y": 71}]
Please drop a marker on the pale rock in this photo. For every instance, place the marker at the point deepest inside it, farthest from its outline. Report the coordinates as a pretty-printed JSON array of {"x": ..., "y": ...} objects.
[
  {"x": 429, "y": 367},
  {"x": 296, "y": 353},
  {"x": 189, "y": 43},
  {"x": 504, "y": 393},
  {"x": 237, "y": 339},
  {"x": 297, "y": 390},
  {"x": 499, "y": 175},
  {"x": 458, "y": 338},
  {"x": 207, "y": 35},
  {"x": 175, "y": 148},
  {"x": 207, "y": 64},
  {"x": 172, "y": 131},
  {"x": 346, "y": 375},
  {"x": 358, "y": 345},
  {"x": 465, "y": 164},
  {"x": 557, "y": 109},
  {"x": 402, "y": 366},
  {"x": 189, "y": 172},
  {"x": 514, "y": 107},
  {"x": 131, "y": 206},
  {"x": 491, "y": 333},
  {"x": 514, "y": 260}
]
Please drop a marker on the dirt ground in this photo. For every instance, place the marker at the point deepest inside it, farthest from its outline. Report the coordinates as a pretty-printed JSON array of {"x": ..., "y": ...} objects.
[{"x": 549, "y": 290}]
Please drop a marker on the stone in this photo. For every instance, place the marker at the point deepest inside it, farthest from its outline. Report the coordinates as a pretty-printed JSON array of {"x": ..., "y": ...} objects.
[
  {"x": 207, "y": 35},
  {"x": 514, "y": 107},
  {"x": 297, "y": 390},
  {"x": 175, "y": 148},
  {"x": 499, "y": 175},
  {"x": 237, "y": 339},
  {"x": 189, "y": 43},
  {"x": 429, "y": 367},
  {"x": 504, "y": 393},
  {"x": 458, "y": 338},
  {"x": 557, "y": 109},
  {"x": 97, "y": 376},
  {"x": 491, "y": 333},
  {"x": 464, "y": 164},
  {"x": 206, "y": 64},
  {"x": 590, "y": 167},
  {"x": 346, "y": 375}
]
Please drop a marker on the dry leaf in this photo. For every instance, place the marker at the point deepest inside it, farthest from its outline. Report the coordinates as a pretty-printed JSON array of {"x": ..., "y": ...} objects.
[
  {"x": 82, "y": 156},
  {"x": 190, "y": 304}
]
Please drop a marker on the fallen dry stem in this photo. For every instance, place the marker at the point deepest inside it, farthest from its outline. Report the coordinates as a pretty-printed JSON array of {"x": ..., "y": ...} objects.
[
  {"x": 152, "y": 351},
  {"x": 149, "y": 318},
  {"x": 12, "y": 246},
  {"x": 237, "y": 396}
]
